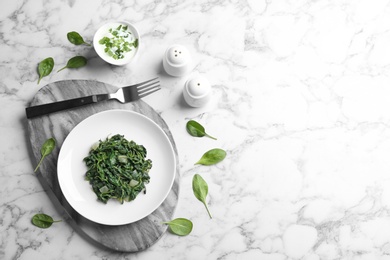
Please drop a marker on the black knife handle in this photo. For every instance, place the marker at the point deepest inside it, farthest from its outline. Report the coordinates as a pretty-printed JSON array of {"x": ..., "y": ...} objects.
[{"x": 62, "y": 105}]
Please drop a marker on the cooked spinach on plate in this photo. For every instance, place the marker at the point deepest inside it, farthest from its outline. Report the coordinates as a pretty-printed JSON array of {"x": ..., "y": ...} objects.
[{"x": 117, "y": 169}]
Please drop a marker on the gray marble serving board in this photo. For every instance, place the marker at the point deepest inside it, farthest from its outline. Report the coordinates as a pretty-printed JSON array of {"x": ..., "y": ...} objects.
[{"x": 132, "y": 237}]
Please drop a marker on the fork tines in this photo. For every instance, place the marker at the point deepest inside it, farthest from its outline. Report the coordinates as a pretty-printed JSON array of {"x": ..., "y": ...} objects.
[{"x": 148, "y": 87}]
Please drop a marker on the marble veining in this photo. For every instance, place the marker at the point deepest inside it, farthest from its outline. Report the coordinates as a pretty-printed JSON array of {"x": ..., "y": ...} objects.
[{"x": 300, "y": 102}]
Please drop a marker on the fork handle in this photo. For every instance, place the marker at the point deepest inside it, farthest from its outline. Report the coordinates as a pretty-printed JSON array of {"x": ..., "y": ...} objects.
[{"x": 62, "y": 105}]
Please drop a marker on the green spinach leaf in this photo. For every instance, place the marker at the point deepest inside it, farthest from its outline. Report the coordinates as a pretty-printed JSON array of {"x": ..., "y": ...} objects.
[
  {"x": 180, "y": 226},
  {"x": 45, "y": 67},
  {"x": 76, "y": 38},
  {"x": 197, "y": 130},
  {"x": 75, "y": 62},
  {"x": 46, "y": 149},
  {"x": 212, "y": 156},
  {"x": 43, "y": 220},
  {"x": 200, "y": 189}
]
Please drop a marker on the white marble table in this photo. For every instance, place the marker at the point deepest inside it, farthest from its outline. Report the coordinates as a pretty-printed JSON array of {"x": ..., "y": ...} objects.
[{"x": 301, "y": 104}]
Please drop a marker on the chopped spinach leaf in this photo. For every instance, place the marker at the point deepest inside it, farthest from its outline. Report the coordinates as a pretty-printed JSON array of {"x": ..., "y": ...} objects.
[{"x": 117, "y": 169}]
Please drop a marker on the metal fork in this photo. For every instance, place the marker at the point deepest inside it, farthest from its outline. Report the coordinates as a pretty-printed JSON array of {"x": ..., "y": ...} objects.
[{"x": 123, "y": 95}]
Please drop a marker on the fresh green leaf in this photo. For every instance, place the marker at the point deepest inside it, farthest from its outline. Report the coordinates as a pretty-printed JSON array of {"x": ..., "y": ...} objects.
[
  {"x": 48, "y": 146},
  {"x": 75, "y": 62},
  {"x": 43, "y": 220},
  {"x": 196, "y": 129},
  {"x": 200, "y": 189},
  {"x": 45, "y": 67},
  {"x": 212, "y": 156},
  {"x": 180, "y": 226},
  {"x": 76, "y": 38},
  {"x": 46, "y": 149}
]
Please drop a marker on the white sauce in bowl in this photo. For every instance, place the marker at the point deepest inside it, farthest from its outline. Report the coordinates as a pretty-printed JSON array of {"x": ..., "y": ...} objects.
[{"x": 118, "y": 49}]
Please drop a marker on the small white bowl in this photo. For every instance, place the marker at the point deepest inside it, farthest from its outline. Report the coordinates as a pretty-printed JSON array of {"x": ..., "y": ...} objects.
[
  {"x": 177, "y": 60},
  {"x": 197, "y": 91},
  {"x": 104, "y": 31}
]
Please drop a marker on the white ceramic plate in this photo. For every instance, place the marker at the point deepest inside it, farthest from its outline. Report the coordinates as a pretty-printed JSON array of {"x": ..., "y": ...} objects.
[{"x": 71, "y": 167}]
